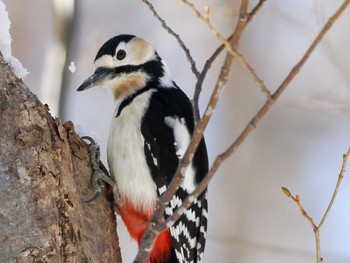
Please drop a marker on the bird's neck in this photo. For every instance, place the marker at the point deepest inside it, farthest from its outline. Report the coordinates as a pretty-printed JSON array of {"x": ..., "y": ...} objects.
[
  {"x": 128, "y": 84},
  {"x": 154, "y": 74}
]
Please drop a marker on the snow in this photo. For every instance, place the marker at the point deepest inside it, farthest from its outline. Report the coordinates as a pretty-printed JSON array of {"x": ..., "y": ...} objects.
[
  {"x": 72, "y": 67},
  {"x": 5, "y": 43}
]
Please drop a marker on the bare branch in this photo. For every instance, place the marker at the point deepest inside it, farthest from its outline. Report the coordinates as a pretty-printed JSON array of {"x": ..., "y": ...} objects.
[
  {"x": 209, "y": 62},
  {"x": 316, "y": 228},
  {"x": 202, "y": 75},
  {"x": 177, "y": 37},
  {"x": 295, "y": 70},
  {"x": 147, "y": 243},
  {"x": 149, "y": 237},
  {"x": 296, "y": 199},
  {"x": 152, "y": 230},
  {"x": 232, "y": 50},
  {"x": 255, "y": 10},
  {"x": 340, "y": 178}
]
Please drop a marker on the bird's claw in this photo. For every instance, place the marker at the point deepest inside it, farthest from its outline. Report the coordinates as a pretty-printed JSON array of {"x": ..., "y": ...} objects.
[{"x": 100, "y": 174}]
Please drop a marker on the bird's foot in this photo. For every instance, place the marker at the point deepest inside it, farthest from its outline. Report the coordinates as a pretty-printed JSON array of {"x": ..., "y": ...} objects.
[{"x": 100, "y": 174}]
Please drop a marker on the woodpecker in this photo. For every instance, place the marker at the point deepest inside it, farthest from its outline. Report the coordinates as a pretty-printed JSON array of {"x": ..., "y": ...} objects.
[{"x": 150, "y": 131}]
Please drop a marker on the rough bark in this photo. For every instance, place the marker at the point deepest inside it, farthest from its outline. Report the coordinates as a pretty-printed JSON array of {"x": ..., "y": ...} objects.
[{"x": 44, "y": 176}]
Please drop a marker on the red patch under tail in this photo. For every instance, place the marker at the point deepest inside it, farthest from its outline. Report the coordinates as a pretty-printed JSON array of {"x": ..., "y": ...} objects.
[{"x": 136, "y": 222}]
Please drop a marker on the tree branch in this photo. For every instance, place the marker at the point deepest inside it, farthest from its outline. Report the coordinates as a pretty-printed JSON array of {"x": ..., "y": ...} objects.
[
  {"x": 252, "y": 125},
  {"x": 200, "y": 80},
  {"x": 209, "y": 62},
  {"x": 317, "y": 229},
  {"x": 154, "y": 226},
  {"x": 232, "y": 50},
  {"x": 295, "y": 70},
  {"x": 255, "y": 10},
  {"x": 296, "y": 199},
  {"x": 177, "y": 37},
  {"x": 340, "y": 178},
  {"x": 150, "y": 235}
]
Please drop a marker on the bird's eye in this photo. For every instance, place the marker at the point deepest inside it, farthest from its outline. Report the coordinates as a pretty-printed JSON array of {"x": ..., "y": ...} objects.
[{"x": 121, "y": 54}]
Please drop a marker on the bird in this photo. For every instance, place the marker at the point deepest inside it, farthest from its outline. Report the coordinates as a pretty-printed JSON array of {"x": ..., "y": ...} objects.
[{"x": 150, "y": 131}]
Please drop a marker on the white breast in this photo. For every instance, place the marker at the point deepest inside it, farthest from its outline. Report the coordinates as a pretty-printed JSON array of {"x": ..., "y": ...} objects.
[{"x": 126, "y": 158}]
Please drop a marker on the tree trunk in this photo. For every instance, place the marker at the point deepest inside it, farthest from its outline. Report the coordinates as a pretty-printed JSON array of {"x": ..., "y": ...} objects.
[{"x": 44, "y": 176}]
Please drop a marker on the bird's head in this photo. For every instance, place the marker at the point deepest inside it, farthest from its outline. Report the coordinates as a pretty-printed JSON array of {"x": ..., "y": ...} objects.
[{"x": 125, "y": 64}]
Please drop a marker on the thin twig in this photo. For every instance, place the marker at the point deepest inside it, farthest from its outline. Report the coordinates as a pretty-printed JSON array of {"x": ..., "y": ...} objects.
[
  {"x": 296, "y": 199},
  {"x": 255, "y": 10},
  {"x": 177, "y": 37},
  {"x": 151, "y": 233},
  {"x": 317, "y": 228},
  {"x": 295, "y": 70},
  {"x": 209, "y": 62},
  {"x": 202, "y": 75},
  {"x": 340, "y": 178},
  {"x": 233, "y": 51}
]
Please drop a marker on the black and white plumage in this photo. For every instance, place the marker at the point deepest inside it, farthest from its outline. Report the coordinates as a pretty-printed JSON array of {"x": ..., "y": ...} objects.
[{"x": 150, "y": 132}]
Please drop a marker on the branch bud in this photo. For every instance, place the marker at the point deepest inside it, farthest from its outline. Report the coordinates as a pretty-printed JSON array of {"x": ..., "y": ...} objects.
[
  {"x": 207, "y": 11},
  {"x": 286, "y": 192}
]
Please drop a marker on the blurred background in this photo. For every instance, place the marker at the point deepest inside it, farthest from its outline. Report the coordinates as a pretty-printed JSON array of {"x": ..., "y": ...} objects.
[{"x": 299, "y": 144}]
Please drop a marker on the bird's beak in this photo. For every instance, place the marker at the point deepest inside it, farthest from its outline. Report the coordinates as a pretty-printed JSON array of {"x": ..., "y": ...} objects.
[{"x": 100, "y": 76}]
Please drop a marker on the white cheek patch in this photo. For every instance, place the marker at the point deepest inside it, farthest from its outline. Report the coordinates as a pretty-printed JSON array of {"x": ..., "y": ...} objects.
[{"x": 106, "y": 61}]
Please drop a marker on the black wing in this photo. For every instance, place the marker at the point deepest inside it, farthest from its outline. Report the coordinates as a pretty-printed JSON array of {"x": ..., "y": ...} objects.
[{"x": 188, "y": 233}]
